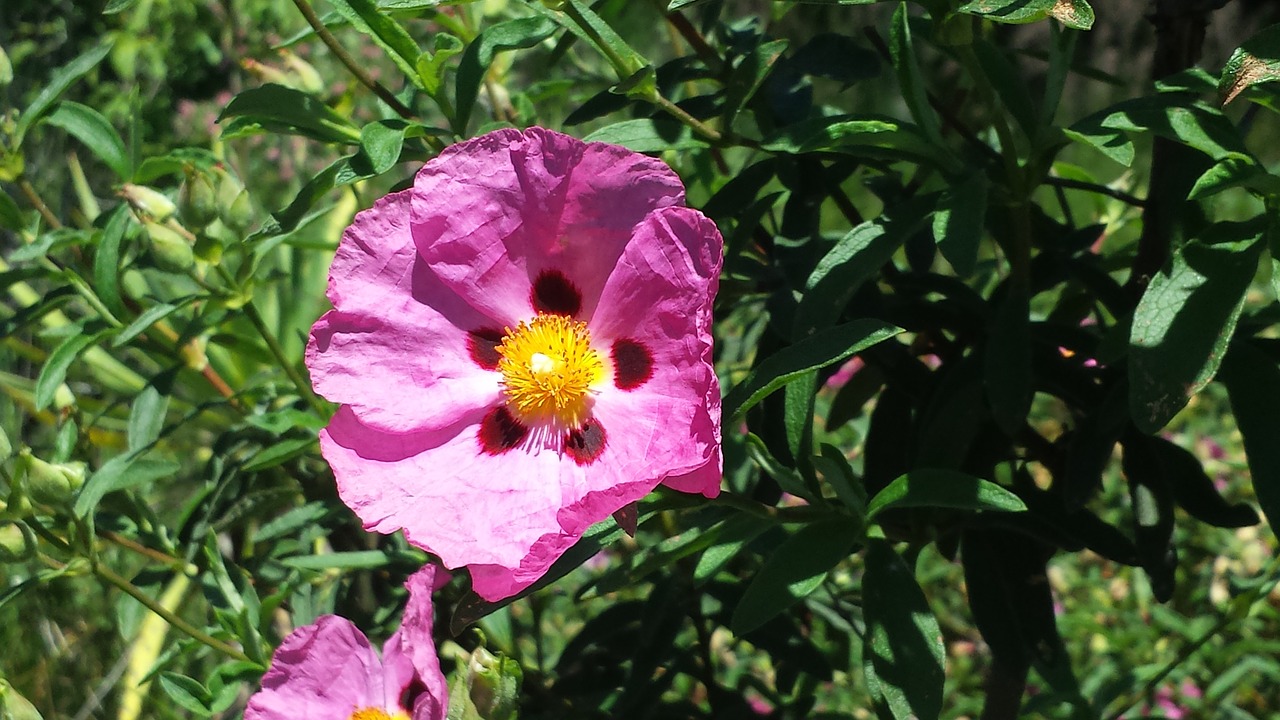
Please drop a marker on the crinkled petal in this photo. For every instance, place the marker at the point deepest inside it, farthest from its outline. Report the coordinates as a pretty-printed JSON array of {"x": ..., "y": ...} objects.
[
  {"x": 395, "y": 346},
  {"x": 324, "y": 671},
  {"x": 493, "y": 213},
  {"x": 465, "y": 506},
  {"x": 415, "y": 641}
]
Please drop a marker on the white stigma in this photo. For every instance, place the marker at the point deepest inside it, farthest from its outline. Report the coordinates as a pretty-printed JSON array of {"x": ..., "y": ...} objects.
[{"x": 541, "y": 364}]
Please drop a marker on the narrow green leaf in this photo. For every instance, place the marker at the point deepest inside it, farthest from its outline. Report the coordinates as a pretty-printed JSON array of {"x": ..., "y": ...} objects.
[
  {"x": 647, "y": 135},
  {"x": 55, "y": 368},
  {"x": 279, "y": 453},
  {"x": 91, "y": 128},
  {"x": 149, "y": 317},
  {"x": 1185, "y": 319},
  {"x": 10, "y": 214},
  {"x": 859, "y": 136},
  {"x": 1256, "y": 61},
  {"x": 106, "y": 260},
  {"x": 1253, "y": 386},
  {"x": 276, "y": 108},
  {"x": 959, "y": 221},
  {"x": 516, "y": 34},
  {"x": 795, "y": 569},
  {"x": 903, "y": 53},
  {"x": 903, "y": 638},
  {"x": 187, "y": 692},
  {"x": 388, "y": 34},
  {"x": 146, "y": 418},
  {"x": 1006, "y": 361},
  {"x": 354, "y": 560},
  {"x": 118, "y": 6},
  {"x": 57, "y": 84},
  {"x": 1235, "y": 170},
  {"x": 936, "y": 488},
  {"x": 1167, "y": 114},
  {"x": 738, "y": 532},
  {"x": 812, "y": 353},
  {"x": 121, "y": 473}
]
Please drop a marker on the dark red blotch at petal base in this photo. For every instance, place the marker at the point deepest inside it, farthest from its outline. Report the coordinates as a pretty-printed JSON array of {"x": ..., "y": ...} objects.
[
  {"x": 554, "y": 293},
  {"x": 586, "y": 443},
  {"x": 500, "y": 431},
  {"x": 632, "y": 364},
  {"x": 482, "y": 346}
]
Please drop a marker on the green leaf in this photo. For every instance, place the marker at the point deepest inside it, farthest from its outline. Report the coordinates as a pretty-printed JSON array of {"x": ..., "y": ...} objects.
[
  {"x": 151, "y": 316},
  {"x": 859, "y": 136},
  {"x": 910, "y": 79},
  {"x": 431, "y": 66},
  {"x": 1235, "y": 170},
  {"x": 118, "y": 6},
  {"x": 1168, "y": 114},
  {"x": 55, "y": 368},
  {"x": 1072, "y": 13},
  {"x": 146, "y": 418},
  {"x": 812, "y": 353},
  {"x": 1253, "y": 386},
  {"x": 1185, "y": 319},
  {"x": 389, "y": 35},
  {"x": 855, "y": 258},
  {"x": 187, "y": 692},
  {"x": 736, "y": 534},
  {"x": 173, "y": 162},
  {"x": 959, "y": 221},
  {"x": 581, "y": 20},
  {"x": 647, "y": 135},
  {"x": 936, "y": 488},
  {"x": 381, "y": 143},
  {"x": 106, "y": 260},
  {"x": 279, "y": 453},
  {"x": 794, "y": 570},
  {"x": 902, "y": 638},
  {"x": 61, "y": 79},
  {"x": 121, "y": 473},
  {"x": 10, "y": 214},
  {"x": 354, "y": 560},
  {"x": 1256, "y": 61},
  {"x": 516, "y": 34},
  {"x": 750, "y": 75},
  {"x": 91, "y": 128},
  {"x": 276, "y": 108},
  {"x": 1006, "y": 361}
]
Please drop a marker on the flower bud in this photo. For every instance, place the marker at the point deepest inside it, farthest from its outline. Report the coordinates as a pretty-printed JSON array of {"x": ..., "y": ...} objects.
[
  {"x": 169, "y": 249},
  {"x": 305, "y": 77},
  {"x": 495, "y": 683},
  {"x": 15, "y": 707},
  {"x": 5, "y": 448},
  {"x": 197, "y": 199},
  {"x": 63, "y": 398},
  {"x": 238, "y": 214},
  {"x": 51, "y": 484},
  {"x": 17, "y": 542},
  {"x": 148, "y": 203}
]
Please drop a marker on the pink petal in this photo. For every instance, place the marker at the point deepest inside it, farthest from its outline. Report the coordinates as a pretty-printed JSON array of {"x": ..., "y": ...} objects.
[
  {"x": 395, "y": 346},
  {"x": 492, "y": 213},
  {"x": 415, "y": 640},
  {"x": 324, "y": 671}
]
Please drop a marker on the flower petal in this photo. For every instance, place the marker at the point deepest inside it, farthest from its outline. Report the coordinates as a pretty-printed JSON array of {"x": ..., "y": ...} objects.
[
  {"x": 415, "y": 640},
  {"x": 323, "y": 671},
  {"x": 396, "y": 346},
  {"x": 490, "y": 215}
]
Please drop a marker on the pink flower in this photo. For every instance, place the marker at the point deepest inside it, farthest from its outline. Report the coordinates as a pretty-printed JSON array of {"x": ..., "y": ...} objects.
[
  {"x": 521, "y": 346},
  {"x": 329, "y": 671}
]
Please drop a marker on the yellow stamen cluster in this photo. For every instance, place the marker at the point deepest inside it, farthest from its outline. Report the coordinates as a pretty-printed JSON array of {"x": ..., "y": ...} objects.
[
  {"x": 548, "y": 366},
  {"x": 371, "y": 713}
]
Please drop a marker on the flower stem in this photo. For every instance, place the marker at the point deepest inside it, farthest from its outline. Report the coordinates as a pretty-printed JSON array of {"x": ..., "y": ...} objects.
[
  {"x": 34, "y": 198},
  {"x": 194, "y": 632},
  {"x": 354, "y": 67},
  {"x": 694, "y": 123}
]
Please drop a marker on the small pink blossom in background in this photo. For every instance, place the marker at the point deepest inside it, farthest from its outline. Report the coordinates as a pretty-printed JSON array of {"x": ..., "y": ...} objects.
[
  {"x": 521, "y": 345},
  {"x": 329, "y": 671}
]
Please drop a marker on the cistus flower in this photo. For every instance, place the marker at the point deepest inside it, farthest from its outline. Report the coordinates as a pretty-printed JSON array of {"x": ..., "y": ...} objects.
[
  {"x": 521, "y": 346},
  {"x": 329, "y": 671}
]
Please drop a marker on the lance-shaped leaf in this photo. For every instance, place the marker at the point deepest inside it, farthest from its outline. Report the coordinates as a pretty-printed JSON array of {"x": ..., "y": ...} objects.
[
  {"x": 91, "y": 128},
  {"x": 935, "y": 488},
  {"x": 903, "y": 639},
  {"x": 1253, "y": 384},
  {"x": 1167, "y": 114},
  {"x": 516, "y": 34},
  {"x": 910, "y": 79},
  {"x": 365, "y": 16},
  {"x": 276, "y": 108},
  {"x": 1072, "y": 13},
  {"x": 57, "y": 84},
  {"x": 1185, "y": 319}
]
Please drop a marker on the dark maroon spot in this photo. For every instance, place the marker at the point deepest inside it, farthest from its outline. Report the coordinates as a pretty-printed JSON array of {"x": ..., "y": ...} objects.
[
  {"x": 500, "y": 431},
  {"x": 586, "y": 443},
  {"x": 482, "y": 345},
  {"x": 555, "y": 294},
  {"x": 632, "y": 364}
]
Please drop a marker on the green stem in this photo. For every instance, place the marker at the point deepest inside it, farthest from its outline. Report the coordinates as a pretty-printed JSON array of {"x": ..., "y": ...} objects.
[
  {"x": 694, "y": 123},
  {"x": 194, "y": 632},
  {"x": 770, "y": 512},
  {"x": 350, "y": 63}
]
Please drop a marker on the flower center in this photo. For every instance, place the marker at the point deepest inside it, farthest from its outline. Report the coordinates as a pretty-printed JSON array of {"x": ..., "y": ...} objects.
[
  {"x": 548, "y": 367},
  {"x": 372, "y": 713}
]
